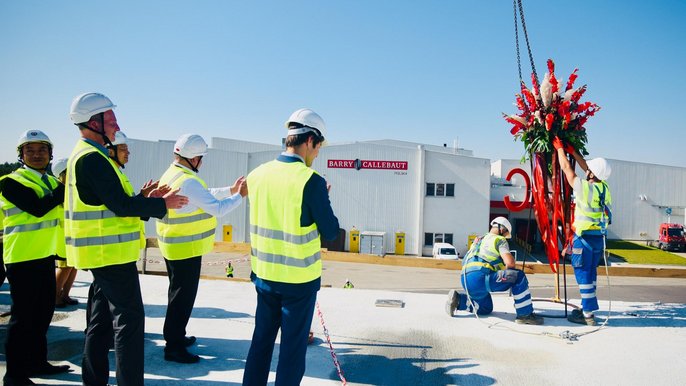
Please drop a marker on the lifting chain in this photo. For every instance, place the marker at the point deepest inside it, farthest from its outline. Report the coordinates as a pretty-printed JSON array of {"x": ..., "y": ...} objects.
[{"x": 517, "y": 6}]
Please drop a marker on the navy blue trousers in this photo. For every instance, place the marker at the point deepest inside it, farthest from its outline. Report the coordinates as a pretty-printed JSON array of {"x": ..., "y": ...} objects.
[
  {"x": 116, "y": 307},
  {"x": 480, "y": 284},
  {"x": 293, "y": 315},
  {"x": 184, "y": 276},
  {"x": 32, "y": 288}
]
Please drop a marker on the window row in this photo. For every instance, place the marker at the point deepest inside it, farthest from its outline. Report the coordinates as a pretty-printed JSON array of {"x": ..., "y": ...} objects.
[
  {"x": 440, "y": 189},
  {"x": 431, "y": 238}
]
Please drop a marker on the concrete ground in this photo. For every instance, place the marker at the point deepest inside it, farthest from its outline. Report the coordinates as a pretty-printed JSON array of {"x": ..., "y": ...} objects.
[{"x": 415, "y": 344}]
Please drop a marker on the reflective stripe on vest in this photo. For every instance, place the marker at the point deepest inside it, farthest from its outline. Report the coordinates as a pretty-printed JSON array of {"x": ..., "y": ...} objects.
[
  {"x": 588, "y": 211},
  {"x": 488, "y": 255},
  {"x": 281, "y": 249},
  {"x": 95, "y": 236},
  {"x": 27, "y": 237},
  {"x": 184, "y": 235}
]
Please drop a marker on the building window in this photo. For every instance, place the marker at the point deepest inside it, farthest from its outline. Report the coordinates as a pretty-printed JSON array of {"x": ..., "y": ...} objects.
[
  {"x": 431, "y": 238},
  {"x": 440, "y": 189}
]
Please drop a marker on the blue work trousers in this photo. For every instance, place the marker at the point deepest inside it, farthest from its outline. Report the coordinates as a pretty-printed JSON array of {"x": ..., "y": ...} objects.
[
  {"x": 293, "y": 315},
  {"x": 479, "y": 284},
  {"x": 586, "y": 253}
]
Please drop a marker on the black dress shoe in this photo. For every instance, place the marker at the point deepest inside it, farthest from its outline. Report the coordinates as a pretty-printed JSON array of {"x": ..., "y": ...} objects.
[
  {"x": 12, "y": 381},
  {"x": 49, "y": 369},
  {"x": 188, "y": 341},
  {"x": 180, "y": 356}
]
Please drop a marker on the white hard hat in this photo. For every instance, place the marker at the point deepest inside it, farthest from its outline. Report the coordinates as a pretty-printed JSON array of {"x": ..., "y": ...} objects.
[
  {"x": 502, "y": 221},
  {"x": 58, "y": 166},
  {"x": 84, "y": 106},
  {"x": 190, "y": 145},
  {"x": 119, "y": 138},
  {"x": 307, "y": 118},
  {"x": 33, "y": 136},
  {"x": 600, "y": 167}
]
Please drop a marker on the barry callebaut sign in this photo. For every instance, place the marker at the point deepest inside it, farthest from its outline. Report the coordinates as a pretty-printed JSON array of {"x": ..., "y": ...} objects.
[{"x": 366, "y": 164}]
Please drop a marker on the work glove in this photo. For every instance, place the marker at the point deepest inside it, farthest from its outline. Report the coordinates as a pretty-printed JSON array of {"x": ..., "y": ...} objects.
[{"x": 557, "y": 143}]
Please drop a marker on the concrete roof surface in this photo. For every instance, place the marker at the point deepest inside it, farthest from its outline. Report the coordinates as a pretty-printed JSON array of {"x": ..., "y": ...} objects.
[{"x": 418, "y": 344}]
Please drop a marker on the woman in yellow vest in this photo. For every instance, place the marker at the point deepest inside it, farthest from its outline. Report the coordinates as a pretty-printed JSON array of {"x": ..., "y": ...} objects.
[
  {"x": 592, "y": 215},
  {"x": 186, "y": 234},
  {"x": 30, "y": 200},
  {"x": 289, "y": 210}
]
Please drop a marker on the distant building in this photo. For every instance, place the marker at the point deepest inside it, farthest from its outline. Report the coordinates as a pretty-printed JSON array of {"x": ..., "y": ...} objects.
[{"x": 431, "y": 193}]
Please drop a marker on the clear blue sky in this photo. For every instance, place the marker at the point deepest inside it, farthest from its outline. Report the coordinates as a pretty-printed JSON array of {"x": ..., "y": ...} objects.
[{"x": 422, "y": 71}]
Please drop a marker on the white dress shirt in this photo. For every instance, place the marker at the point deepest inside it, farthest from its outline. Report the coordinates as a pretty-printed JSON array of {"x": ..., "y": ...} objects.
[{"x": 215, "y": 201}]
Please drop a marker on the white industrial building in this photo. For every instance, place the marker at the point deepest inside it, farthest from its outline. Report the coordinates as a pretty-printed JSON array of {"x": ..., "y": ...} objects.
[{"x": 429, "y": 193}]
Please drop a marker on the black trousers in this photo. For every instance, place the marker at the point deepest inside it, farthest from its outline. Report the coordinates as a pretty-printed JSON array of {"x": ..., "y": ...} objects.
[
  {"x": 184, "y": 276},
  {"x": 115, "y": 307},
  {"x": 32, "y": 288}
]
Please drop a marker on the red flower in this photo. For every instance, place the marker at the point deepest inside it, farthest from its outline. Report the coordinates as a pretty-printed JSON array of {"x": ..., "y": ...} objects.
[
  {"x": 578, "y": 94},
  {"x": 530, "y": 99},
  {"x": 572, "y": 79},
  {"x": 549, "y": 118}
]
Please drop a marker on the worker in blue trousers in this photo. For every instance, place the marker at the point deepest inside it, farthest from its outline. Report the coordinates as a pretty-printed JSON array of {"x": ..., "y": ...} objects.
[
  {"x": 592, "y": 214},
  {"x": 490, "y": 267},
  {"x": 289, "y": 210}
]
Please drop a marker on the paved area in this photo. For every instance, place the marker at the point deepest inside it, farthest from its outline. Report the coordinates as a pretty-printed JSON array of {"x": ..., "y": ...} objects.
[{"x": 417, "y": 344}]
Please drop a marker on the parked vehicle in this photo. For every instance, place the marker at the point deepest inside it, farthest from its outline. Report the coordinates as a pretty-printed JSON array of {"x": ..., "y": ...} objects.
[
  {"x": 445, "y": 251},
  {"x": 671, "y": 238}
]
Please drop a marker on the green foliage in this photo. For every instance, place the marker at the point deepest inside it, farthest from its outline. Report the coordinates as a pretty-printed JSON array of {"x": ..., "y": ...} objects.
[{"x": 8, "y": 168}]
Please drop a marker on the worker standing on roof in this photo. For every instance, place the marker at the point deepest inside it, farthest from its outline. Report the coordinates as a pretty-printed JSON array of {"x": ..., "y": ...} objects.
[
  {"x": 592, "y": 214},
  {"x": 289, "y": 210},
  {"x": 102, "y": 228},
  {"x": 64, "y": 274},
  {"x": 490, "y": 267},
  {"x": 30, "y": 199},
  {"x": 186, "y": 234}
]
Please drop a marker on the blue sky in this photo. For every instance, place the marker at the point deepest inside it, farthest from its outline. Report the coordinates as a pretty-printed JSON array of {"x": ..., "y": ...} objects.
[{"x": 422, "y": 71}]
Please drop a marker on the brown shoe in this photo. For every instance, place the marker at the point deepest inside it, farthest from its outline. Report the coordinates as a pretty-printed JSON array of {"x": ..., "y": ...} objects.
[{"x": 577, "y": 316}]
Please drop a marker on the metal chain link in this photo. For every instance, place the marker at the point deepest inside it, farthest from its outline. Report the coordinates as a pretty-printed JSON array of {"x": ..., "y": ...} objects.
[
  {"x": 516, "y": 28},
  {"x": 526, "y": 37}
]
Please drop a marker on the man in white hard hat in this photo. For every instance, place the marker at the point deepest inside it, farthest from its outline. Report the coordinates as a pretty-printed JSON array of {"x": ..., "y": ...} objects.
[
  {"x": 186, "y": 234},
  {"x": 289, "y": 211},
  {"x": 64, "y": 274},
  {"x": 30, "y": 200},
  {"x": 592, "y": 214},
  {"x": 119, "y": 149},
  {"x": 490, "y": 267},
  {"x": 102, "y": 229}
]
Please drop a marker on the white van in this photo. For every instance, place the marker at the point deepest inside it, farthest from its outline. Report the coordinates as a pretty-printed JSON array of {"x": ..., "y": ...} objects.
[{"x": 445, "y": 251}]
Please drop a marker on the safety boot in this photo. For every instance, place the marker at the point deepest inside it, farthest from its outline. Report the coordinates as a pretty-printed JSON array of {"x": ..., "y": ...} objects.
[
  {"x": 532, "y": 319},
  {"x": 578, "y": 317},
  {"x": 452, "y": 303}
]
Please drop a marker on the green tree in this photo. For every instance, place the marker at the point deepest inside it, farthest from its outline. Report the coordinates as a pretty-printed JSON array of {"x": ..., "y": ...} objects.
[{"x": 8, "y": 168}]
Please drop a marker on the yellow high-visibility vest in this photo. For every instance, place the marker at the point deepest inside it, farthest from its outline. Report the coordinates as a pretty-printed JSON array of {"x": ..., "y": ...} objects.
[
  {"x": 27, "y": 237},
  {"x": 281, "y": 250},
  {"x": 95, "y": 236},
  {"x": 184, "y": 235},
  {"x": 488, "y": 254},
  {"x": 588, "y": 211}
]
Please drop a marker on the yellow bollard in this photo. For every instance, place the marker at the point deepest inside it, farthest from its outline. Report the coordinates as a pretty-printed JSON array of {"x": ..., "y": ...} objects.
[
  {"x": 354, "y": 240},
  {"x": 228, "y": 233},
  {"x": 399, "y": 243}
]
